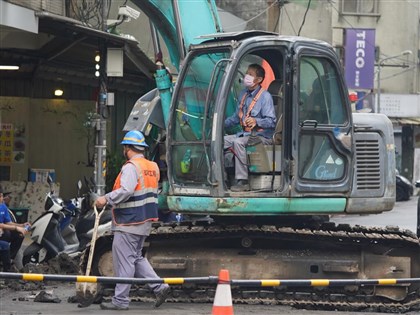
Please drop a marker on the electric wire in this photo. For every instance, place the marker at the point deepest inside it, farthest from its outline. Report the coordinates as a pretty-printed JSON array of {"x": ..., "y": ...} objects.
[
  {"x": 413, "y": 66},
  {"x": 278, "y": 14},
  {"x": 254, "y": 17},
  {"x": 304, "y": 16},
  {"x": 347, "y": 21},
  {"x": 409, "y": 69},
  {"x": 290, "y": 21},
  {"x": 353, "y": 28}
]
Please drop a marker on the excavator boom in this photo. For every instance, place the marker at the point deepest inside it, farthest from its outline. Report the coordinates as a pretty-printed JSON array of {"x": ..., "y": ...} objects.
[{"x": 180, "y": 23}]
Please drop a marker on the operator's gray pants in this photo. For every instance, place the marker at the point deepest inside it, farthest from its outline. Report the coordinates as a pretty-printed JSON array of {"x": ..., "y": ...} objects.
[
  {"x": 129, "y": 263},
  {"x": 238, "y": 144}
]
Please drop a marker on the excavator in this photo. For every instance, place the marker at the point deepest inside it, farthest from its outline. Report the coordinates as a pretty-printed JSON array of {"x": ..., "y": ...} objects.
[{"x": 324, "y": 160}]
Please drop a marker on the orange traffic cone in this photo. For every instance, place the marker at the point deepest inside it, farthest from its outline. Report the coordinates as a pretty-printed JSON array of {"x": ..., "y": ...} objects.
[{"x": 222, "y": 304}]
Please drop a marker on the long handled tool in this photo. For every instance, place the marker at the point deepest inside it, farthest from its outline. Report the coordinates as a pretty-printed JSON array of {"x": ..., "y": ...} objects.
[{"x": 86, "y": 294}]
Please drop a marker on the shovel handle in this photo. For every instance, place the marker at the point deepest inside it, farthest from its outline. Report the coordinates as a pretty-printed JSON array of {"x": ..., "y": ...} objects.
[{"x": 93, "y": 241}]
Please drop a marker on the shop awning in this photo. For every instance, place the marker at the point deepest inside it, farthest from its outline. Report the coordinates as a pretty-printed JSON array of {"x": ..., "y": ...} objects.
[{"x": 406, "y": 120}]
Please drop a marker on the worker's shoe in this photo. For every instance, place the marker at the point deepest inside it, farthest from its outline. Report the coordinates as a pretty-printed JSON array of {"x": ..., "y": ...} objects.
[
  {"x": 112, "y": 307},
  {"x": 161, "y": 296},
  {"x": 241, "y": 185}
]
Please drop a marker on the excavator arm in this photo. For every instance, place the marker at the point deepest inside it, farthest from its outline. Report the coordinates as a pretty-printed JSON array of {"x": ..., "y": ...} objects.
[{"x": 181, "y": 22}]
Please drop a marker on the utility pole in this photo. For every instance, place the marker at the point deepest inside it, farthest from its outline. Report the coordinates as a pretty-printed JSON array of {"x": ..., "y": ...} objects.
[
  {"x": 380, "y": 65},
  {"x": 101, "y": 103},
  {"x": 273, "y": 14}
]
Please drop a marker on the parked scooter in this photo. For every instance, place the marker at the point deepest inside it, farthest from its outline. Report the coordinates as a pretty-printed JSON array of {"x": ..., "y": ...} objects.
[
  {"x": 54, "y": 233},
  {"x": 86, "y": 219}
]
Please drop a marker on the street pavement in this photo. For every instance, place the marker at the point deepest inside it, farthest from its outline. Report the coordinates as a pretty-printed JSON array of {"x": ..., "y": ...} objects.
[
  {"x": 18, "y": 303},
  {"x": 403, "y": 215}
]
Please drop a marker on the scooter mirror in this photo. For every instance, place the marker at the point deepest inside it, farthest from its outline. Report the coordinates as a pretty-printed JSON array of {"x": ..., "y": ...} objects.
[{"x": 50, "y": 182}]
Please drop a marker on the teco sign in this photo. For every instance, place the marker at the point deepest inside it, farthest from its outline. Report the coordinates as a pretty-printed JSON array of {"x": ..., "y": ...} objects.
[{"x": 360, "y": 58}]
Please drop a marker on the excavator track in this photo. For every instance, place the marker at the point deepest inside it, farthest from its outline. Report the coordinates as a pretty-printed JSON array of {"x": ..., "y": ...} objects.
[
  {"x": 325, "y": 251},
  {"x": 342, "y": 233},
  {"x": 321, "y": 300}
]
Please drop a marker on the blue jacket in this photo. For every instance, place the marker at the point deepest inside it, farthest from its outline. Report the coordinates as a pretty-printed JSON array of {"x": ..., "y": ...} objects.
[
  {"x": 4, "y": 214},
  {"x": 263, "y": 112}
]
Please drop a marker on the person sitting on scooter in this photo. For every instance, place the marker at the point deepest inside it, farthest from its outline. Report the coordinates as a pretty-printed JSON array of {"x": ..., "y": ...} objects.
[{"x": 9, "y": 232}]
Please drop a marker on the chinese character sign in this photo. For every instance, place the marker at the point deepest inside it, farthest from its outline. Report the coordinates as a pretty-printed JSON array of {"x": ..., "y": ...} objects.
[
  {"x": 6, "y": 144},
  {"x": 360, "y": 58}
]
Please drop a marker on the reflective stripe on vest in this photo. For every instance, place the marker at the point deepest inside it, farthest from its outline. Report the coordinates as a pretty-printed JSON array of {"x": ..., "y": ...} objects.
[
  {"x": 142, "y": 205},
  {"x": 251, "y": 106}
]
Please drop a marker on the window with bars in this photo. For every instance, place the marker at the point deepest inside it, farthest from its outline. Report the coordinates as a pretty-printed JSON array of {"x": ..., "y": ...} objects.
[{"x": 360, "y": 7}]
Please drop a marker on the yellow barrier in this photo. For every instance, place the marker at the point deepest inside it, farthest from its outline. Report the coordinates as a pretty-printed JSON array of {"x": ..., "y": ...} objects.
[{"x": 208, "y": 280}]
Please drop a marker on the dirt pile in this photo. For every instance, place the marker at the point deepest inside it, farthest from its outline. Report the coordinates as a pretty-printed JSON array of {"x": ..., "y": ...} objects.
[{"x": 63, "y": 264}]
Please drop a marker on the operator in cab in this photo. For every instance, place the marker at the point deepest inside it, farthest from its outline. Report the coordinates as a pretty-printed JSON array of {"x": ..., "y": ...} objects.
[{"x": 255, "y": 110}]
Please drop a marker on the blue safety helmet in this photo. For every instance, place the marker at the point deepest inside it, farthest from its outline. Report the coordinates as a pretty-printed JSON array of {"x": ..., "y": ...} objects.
[{"x": 136, "y": 138}]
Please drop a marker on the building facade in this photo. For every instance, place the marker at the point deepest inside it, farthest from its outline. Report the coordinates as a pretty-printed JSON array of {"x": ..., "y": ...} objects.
[
  {"x": 53, "y": 44},
  {"x": 56, "y": 48},
  {"x": 396, "y": 66}
]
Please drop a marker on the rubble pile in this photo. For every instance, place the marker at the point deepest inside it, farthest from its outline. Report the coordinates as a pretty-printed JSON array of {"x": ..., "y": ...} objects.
[
  {"x": 41, "y": 291},
  {"x": 63, "y": 264}
]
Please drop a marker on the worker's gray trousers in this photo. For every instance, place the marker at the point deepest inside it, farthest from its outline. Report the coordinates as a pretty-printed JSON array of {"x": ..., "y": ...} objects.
[
  {"x": 238, "y": 144},
  {"x": 129, "y": 263}
]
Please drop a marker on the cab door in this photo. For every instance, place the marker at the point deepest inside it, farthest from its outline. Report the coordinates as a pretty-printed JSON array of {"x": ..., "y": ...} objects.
[
  {"x": 322, "y": 138},
  {"x": 190, "y": 163}
]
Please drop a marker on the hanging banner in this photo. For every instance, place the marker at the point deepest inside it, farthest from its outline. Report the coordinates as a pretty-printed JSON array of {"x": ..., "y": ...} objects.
[
  {"x": 360, "y": 58},
  {"x": 6, "y": 144}
]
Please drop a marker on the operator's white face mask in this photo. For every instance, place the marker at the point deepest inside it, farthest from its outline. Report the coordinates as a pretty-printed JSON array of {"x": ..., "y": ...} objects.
[{"x": 248, "y": 80}]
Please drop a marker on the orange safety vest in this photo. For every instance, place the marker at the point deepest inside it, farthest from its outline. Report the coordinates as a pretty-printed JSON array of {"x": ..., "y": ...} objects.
[
  {"x": 251, "y": 106},
  {"x": 142, "y": 205}
]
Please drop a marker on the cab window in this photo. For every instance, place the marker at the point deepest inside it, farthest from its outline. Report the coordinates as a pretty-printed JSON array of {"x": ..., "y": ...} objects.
[{"x": 320, "y": 98}]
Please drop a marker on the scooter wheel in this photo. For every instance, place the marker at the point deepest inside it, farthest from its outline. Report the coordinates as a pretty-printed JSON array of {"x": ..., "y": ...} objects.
[
  {"x": 102, "y": 261},
  {"x": 35, "y": 254}
]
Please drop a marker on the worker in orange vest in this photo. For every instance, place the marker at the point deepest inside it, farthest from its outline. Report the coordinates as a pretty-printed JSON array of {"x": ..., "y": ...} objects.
[{"x": 134, "y": 202}]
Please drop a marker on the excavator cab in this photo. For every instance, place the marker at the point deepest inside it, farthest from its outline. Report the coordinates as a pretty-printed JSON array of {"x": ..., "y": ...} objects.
[
  {"x": 321, "y": 159},
  {"x": 307, "y": 151}
]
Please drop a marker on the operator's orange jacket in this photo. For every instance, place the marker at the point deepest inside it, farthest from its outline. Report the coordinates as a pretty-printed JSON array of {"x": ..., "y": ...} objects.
[{"x": 142, "y": 205}]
